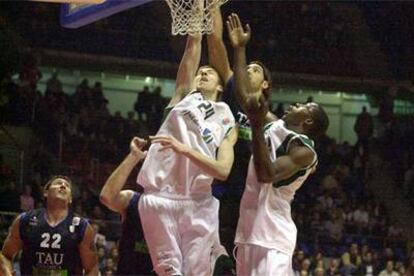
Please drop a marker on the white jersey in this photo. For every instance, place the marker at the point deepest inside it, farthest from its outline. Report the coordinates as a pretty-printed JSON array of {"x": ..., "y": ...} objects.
[
  {"x": 265, "y": 215},
  {"x": 198, "y": 123}
]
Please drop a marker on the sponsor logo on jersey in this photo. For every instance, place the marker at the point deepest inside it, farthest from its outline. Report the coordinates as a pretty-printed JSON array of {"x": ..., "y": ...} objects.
[
  {"x": 49, "y": 260},
  {"x": 207, "y": 135},
  {"x": 192, "y": 118},
  {"x": 33, "y": 221},
  {"x": 76, "y": 221}
]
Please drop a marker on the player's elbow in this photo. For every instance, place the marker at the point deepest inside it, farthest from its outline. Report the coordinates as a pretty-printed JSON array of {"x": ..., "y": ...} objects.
[
  {"x": 224, "y": 173},
  {"x": 105, "y": 199}
]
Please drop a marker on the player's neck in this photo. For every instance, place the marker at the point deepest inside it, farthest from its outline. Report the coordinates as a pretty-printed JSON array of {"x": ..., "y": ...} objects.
[
  {"x": 210, "y": 96},
  {"x": 295, "y": 128},
  {"x": 55, "y": 213}
]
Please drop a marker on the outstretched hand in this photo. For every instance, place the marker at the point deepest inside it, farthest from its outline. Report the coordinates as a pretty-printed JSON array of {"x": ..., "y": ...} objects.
[
  {"x": 238, "y": 36},
  {"x": 169, "y": 142},
  {"x": 257, "y": 109},
  {"x": 136, "y": 146}
]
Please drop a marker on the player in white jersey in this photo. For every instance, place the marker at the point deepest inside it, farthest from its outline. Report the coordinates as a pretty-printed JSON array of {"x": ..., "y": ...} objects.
[
  {"x": 193, "y": 146},
  {"x": 283, "y": 157}
]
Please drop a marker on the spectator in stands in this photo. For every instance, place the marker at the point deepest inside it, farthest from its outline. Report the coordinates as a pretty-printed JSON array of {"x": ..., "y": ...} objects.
[
  {"x": 98, "y": 97},
  {"x": 297, "y": 260},
  {"x": 395, "y": 232},
  {"x": 389, "y": 270},
  {"x": 335, "y": 226},
  {"x": 410, "y": 266},
  {"x": 26, "y": 199},
  {"x": 361, "y": 218},
  {"x": 158, "y": 104},
  {"x": 100, "y": 239},
  {"x": 305, "y": 267},
  {"x": 364, "y": 126},
  {"x": 142, "y": 105},
  {"x": 53, "y": 85},
  {"x": 351, "y": 259},
  {"x": 333, "y": 269},
  {"x": 368, "y": 268},
  {"x": 101, "y": 257}
]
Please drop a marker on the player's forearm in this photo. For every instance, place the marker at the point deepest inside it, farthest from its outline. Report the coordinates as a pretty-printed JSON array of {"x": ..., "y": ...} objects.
[
  {"x": 217, "y": 20},
  {"x": 242, "y": 84},
  {"x": 117, "y": 179},
  {"x": 261, "y": 157},
  {"x": 189, "y": 63},
  {"x": 94, "y": 271},
  {"x": 219, "y": 169},
  {"x": 217, "y": 53}
]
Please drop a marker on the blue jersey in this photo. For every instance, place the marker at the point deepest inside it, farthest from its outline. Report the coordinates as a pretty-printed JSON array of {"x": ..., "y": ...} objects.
[
  {"x": 50, "y": 250},
  {"x": 134, "y": 258},
  {"x": 243, "y": 147}
]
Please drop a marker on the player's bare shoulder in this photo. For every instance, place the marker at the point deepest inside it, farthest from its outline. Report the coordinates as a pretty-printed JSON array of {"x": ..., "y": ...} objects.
[{"x": 271, "y": 117}]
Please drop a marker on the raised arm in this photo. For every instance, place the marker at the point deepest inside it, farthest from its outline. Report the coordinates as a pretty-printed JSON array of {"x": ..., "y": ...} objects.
[
  {"x": 239, "y": 39},
  {"x": 187, "y": 69},
  {"x": 87, "y": 252},
  {"x": 111, "y": 195},
  {"x": 217, "y": 53},
  {"x": 13, "y": 244},
  {"x": 298, "y": 157},
  {"x": 218, "y": 168}
]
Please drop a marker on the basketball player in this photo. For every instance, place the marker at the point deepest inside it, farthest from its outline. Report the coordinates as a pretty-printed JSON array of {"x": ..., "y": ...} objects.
[
  {"x": 133, "y": 255},
  {"x": 193, "y": 146},
  {"x": 261, "y": 81},
  {"x": 283, "y": 157},
  {"x": 53, "y": 240}
]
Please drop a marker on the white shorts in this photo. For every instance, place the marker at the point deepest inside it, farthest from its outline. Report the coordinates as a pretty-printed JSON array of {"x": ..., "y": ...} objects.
[
  {"x": 182, "y": 235},
  {"x": 254, "y": 260}
]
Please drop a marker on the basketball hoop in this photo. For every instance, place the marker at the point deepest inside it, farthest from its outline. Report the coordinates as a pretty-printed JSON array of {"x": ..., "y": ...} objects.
[{"x": 192, "y": 16}]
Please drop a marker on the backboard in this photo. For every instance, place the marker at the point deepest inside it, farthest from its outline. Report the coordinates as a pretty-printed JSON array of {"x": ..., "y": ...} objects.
[{"x": 75, "y": 15}]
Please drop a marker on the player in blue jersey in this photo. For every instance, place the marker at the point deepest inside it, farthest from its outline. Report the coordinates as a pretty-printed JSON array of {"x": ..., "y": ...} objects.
[
  {"x": 134, "y": 258},
  {"x": 260, "y": 80},
  {"x": 53, "y": 240}
]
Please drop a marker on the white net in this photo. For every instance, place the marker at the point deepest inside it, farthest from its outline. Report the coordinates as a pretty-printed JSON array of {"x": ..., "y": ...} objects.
[{"x": 192, "y": 16}]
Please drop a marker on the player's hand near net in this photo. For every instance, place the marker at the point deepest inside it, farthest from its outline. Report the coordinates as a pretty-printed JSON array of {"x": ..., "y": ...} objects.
[{"x": 239, "y": 36}]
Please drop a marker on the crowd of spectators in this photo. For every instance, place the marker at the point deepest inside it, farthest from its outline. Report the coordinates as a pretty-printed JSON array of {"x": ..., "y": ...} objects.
[{"x": 343, "y": 229}]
